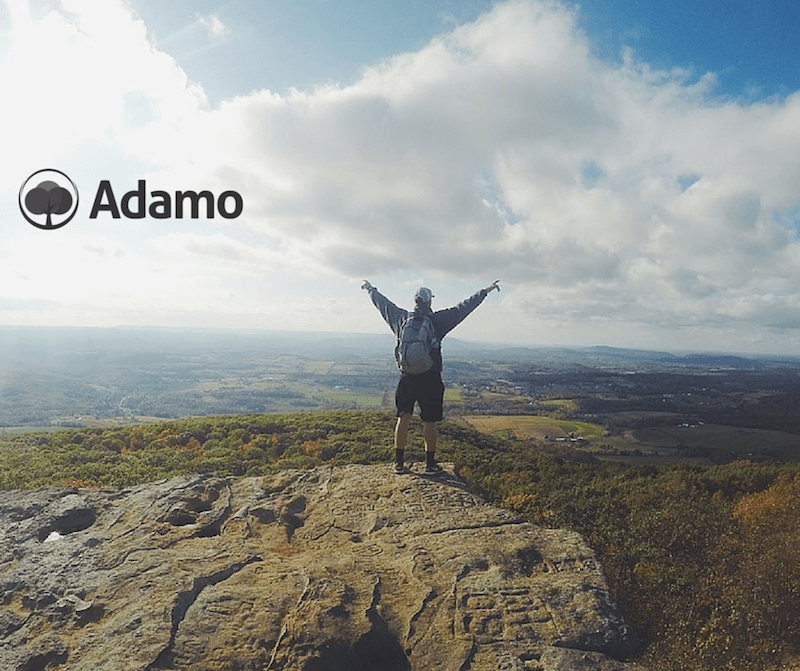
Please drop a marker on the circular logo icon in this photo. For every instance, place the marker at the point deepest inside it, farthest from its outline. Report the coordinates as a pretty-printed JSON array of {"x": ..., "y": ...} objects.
[{"x": 48, "y": 199}]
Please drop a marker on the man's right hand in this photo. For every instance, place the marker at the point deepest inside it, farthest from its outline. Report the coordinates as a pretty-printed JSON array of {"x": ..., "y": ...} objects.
[
  {"x": 367, "y": 286},
  {"x": 494, "y": 285}
]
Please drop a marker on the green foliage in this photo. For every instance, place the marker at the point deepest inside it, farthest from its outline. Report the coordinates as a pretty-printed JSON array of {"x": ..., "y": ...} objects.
[
  {"x": 704, "y": 561},
  {"x": 227, "y": 445}
]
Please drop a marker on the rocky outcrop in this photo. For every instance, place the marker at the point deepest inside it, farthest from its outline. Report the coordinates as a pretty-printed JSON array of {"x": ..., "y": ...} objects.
[{"x": 351, "y": 568}]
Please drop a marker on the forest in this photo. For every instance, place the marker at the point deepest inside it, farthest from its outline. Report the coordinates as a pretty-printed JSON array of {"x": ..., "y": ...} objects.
[{"x": 703, "y": 559}]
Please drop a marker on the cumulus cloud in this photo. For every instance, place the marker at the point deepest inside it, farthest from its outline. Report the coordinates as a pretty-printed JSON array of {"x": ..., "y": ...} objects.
[
  {"x": 85, "y": 73},
  {"x": 588, "y": 162},
  {"x": 611, "y": 197}
]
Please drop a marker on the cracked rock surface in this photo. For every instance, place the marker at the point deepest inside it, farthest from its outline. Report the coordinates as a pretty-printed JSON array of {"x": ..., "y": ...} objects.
[{"x": 347, "y": 568}]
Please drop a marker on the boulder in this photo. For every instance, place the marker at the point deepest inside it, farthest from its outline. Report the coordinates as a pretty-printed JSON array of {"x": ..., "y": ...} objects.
[{"x": 347, "y": 568}]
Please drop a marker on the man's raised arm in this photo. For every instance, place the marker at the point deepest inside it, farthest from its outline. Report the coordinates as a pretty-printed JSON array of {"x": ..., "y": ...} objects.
[
  {"x": 447, "y": 320},
  {"x": 392, "y": 314}
]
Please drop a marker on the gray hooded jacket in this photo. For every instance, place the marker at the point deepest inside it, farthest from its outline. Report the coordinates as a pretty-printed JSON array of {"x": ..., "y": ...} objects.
[{"x": 444, "y": 321}]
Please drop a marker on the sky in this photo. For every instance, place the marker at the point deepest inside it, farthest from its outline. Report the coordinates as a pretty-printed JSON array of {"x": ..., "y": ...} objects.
[{"x": 627, "y": 169}]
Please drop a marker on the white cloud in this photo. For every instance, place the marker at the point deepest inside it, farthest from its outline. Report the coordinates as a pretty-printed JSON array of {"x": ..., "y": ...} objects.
[
  {"x": 616, "y": 201},
  {"x": 226, "y": 254},
  {"x": 216, "y": 29}
]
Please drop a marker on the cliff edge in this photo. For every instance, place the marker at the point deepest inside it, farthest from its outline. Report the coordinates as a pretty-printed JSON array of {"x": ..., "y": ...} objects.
[{"x": 349, "y": 568}]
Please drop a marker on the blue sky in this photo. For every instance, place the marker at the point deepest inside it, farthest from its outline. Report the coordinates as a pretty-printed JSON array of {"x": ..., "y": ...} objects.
[
  {"x": 751, "y": 45},
  {"x": 628, "y": 170}
]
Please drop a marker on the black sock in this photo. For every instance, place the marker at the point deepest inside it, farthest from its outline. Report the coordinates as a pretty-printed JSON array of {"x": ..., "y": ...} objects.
[
  {"x": 430, "y": 459},
  {"x": 398, "y": 457}
]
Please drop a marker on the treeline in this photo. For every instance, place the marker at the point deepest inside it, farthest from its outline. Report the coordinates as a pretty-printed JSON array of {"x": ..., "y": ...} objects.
[
  {"x": 230, "y": 445},
  {"x": 704, "y": 561}
]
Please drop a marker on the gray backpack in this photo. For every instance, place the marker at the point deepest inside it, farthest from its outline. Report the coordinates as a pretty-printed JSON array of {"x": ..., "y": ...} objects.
[{"x": 415, "y": 344}]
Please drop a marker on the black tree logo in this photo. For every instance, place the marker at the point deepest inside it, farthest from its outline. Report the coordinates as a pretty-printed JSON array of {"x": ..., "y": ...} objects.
[{"x": 50, "y": 198}]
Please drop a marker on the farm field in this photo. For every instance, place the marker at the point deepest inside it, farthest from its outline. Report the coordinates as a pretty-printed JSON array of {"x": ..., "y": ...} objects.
[{"x": 525, "y": 427}]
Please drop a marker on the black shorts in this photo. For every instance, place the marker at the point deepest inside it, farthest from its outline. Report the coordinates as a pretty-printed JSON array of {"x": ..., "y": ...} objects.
[{"x": 427, "y": 389}]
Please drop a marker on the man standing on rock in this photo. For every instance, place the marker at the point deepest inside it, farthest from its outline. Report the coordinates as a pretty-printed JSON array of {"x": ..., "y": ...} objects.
[{"x": 419, "y": 358}]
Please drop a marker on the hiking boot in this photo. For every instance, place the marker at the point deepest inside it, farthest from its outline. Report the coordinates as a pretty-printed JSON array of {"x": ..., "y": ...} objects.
[
  {"x": 400, "y": 469},
  {"x": 433, "y": 469}
]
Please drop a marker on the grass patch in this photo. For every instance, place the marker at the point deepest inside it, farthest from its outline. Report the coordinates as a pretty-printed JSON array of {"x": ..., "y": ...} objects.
[
  {"x": 560, "y": 404},
  {"x": 453, "y": 395},
  {"x": 358, "y": 399}
]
